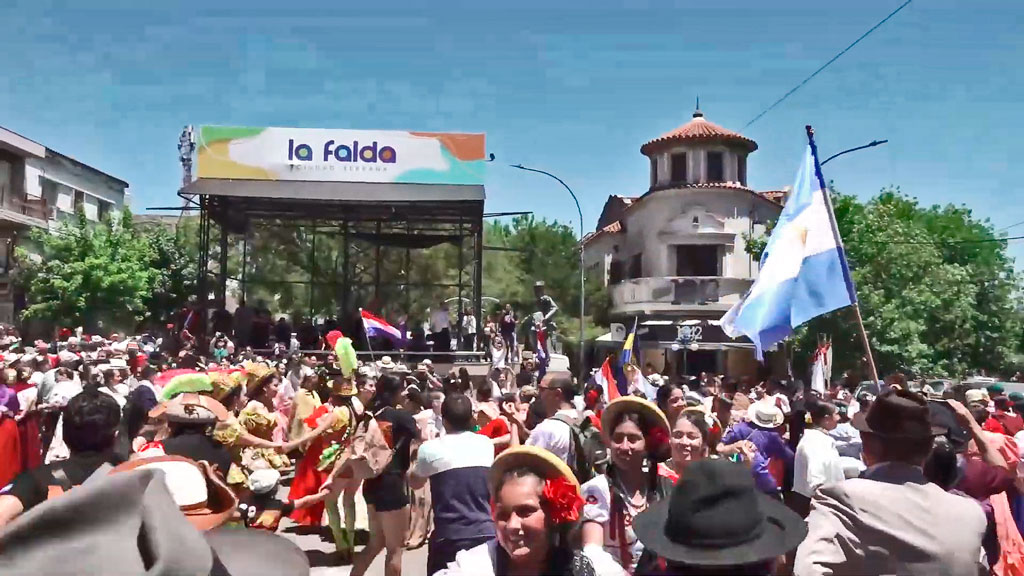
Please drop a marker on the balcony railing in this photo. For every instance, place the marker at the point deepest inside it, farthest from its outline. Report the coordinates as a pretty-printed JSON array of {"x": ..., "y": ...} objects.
[
  {"x": 22, "y": 204},
  {"x": 676, "y": 291}
]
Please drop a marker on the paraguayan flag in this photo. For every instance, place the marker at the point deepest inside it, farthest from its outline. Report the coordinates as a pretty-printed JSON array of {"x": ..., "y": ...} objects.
[{"x": 803, "y": 269}]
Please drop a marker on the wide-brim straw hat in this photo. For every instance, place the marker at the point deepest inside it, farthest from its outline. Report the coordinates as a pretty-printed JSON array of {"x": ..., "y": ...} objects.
[
  {"x": 344, "y": 387},
  {"x": 650, "y": 414},
  {"x": 258, "y": 373},
  {"x": 540, "y": 461}
]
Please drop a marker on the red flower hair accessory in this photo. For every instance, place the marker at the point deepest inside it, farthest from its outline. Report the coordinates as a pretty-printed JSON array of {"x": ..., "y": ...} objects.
[
  {"x": 562, "y": 501},
  {"x": 657, "y": 438}
]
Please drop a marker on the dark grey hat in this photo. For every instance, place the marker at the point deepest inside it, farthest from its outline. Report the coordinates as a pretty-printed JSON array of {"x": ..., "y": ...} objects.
[{"x": 129, "y": 524}]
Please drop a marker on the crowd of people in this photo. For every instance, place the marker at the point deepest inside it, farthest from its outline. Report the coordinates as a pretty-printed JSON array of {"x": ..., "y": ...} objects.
[{"x": 519, "y": 472}]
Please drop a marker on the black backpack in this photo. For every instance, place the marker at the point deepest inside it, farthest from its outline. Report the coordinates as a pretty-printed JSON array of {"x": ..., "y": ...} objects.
[{"x": 588, "y": 456}]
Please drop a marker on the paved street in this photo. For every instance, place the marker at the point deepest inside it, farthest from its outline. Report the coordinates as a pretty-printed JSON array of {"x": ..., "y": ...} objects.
[{"x": 319, "y": 548}]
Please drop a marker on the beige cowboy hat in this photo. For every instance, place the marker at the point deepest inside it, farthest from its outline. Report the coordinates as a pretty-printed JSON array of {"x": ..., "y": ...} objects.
[
  {"x": 765, "y": 415},
  {"x": 191, "y": 408},
  {"x": 202, "y": 496}
]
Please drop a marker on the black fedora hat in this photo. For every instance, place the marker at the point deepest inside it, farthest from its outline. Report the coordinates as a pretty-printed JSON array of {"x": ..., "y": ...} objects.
[
  {"x": 717, "y": 517},
  {"x": 898, "y": 414}
]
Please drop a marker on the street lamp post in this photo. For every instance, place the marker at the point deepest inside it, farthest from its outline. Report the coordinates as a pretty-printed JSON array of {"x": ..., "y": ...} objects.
[
  {"x": 871, "y": 144},
  {"x": 582, "y": 277}
]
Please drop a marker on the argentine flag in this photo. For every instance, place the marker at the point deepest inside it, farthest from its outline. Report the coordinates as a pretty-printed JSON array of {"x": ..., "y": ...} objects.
[{"x": 803, "y": 269}]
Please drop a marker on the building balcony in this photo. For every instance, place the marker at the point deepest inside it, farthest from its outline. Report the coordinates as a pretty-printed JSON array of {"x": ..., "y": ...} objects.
[
  {"x": 677, "y": 294},
  {"x": 19, "y": 208}
]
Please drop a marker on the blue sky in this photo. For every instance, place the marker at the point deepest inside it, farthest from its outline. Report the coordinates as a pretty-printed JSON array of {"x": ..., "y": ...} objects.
[{"x": 571, "y": 87}]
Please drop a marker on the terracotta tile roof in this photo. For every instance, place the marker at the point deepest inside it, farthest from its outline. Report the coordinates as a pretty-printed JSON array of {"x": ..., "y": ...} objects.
[
  {"x": 699, "y": 130},
  {"x": 613, "y": 228},
  {"x": 778, "y": 196}
]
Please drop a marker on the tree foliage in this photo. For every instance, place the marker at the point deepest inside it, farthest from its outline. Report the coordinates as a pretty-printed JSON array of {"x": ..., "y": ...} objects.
[
  {"x": 936, "y": 288},
  {"x": 113, "y": 272}
]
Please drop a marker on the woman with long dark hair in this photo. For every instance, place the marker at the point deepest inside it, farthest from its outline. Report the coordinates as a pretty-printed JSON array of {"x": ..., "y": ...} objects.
[
  {"x": 387, "y": 495},
  {"x": 671, "y": 401},
  {"x": 637, "y": 435}
]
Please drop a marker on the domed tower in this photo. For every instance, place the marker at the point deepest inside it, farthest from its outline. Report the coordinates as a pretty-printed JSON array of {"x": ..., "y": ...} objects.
[{"x": 698, "y": 153}]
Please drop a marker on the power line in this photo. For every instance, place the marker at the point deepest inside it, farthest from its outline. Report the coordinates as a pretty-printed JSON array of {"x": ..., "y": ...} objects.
[
  {"x": 1014, "y": 225},
  {"x": 938, "y": 242},
  {"x": 825, "y": 65}
]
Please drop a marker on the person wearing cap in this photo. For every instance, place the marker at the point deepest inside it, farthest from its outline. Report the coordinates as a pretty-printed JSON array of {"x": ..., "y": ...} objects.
[
  {"x": 536, "y": 506},
  {"x": 891, "y": 520},
  {"x": 636, "y": 434},
  {"x": 89, "y": 427},
  {"x": 716, "y": 521}
]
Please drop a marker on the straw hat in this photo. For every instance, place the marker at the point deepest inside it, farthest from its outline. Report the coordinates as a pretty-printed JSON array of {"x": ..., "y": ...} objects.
[
  {"x": 257, "y": 376},
  {"x": 544, "y": 463},
  {"x": 225, "y": 382},
  {"x": 651, "y": 416},
  {"x": 344, "y": 387},
  {"x": 386, "y": 363}
]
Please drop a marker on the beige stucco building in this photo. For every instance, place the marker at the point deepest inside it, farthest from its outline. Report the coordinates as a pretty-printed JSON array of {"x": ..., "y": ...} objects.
[{"x": 674, "y": 257}]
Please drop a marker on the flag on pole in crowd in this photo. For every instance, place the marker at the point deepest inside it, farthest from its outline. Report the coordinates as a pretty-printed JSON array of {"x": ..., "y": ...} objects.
[
  {"x": 803, "y": 271},
  {"x": 627, "y": 347},
  {"x": 605, "y": 377},
  {"x": 375, "y": 326}
]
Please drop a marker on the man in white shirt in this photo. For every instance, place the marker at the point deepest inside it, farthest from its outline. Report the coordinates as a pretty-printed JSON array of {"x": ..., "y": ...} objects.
[
  {"x": 556, "y": 393},
  {"x": 440, "y": 329}
]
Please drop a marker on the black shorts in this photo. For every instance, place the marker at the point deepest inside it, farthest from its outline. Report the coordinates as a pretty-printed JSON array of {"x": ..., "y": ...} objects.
[{"x": 387, "y": 492}]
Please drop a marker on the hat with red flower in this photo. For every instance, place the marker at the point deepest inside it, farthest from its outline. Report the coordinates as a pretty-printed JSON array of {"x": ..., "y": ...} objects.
[
  {"x": 653, "y": 420},
  {"x": 561, "y": 497}
]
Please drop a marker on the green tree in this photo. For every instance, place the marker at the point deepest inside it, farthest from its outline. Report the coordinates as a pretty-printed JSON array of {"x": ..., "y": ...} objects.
[
  {"x": 84, "y": 273},
  {"x": 936, "y": 289},
  {"x": 174, "y": 261}
]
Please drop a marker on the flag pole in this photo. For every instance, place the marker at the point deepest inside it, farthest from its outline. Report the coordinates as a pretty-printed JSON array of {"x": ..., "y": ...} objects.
[
  {"x": 366, "y": 336},
  {"x": 842, "y": 250}
]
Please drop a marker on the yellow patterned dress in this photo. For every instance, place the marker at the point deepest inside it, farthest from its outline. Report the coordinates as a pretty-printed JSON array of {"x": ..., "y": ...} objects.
[{"x": 256, "y": 420}]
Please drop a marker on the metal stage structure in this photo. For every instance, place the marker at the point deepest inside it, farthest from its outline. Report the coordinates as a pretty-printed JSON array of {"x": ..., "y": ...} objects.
[
  {"x": 360, "y": 231},
  {"x": 363, "y": 237}
]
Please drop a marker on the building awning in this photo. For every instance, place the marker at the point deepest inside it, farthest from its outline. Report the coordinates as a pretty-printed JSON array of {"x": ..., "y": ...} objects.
[{"x": 706, "y": 333}]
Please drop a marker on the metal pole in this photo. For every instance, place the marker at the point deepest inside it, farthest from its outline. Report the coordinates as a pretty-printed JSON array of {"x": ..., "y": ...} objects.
[
  {"x": 871, "y": 144},
  {"x": 583, "y": 295},
  {"x": 839, "y": 242}
]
